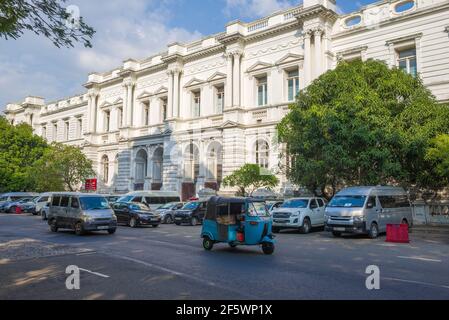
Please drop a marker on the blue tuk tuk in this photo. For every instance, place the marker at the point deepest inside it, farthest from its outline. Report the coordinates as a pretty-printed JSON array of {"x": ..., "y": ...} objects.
[{"x": 237, "y": 221}]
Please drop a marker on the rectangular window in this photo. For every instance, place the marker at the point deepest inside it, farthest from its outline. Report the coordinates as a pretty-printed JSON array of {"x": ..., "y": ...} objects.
[
  {"x": 120, "y": 117},
  {"x": 262, "y": 91},
  {"x": 407, "y": 61},
  {"x": 64, "y": 202},
  {"x": 196, "y": 103},
  {"x": 54, "y": 134},
  {"x": 55, "y": 201},
  {"x": 66, "y": 130},
  {"x": 79, "y": 129},
  {"x": 219, "y": 100},
  {"x": 146, "y": 114},
  {"x": 164, "y": 109},
  {"x": 107, "y": 120},
  {"x": 44, "y": 132},
  {"x": 292, "y": 84}
]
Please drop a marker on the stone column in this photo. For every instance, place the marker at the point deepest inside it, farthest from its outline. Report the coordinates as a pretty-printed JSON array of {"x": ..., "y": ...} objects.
[
  {"x": 170, "y": 95},
  {"x": 176, "y": 77},
  {"x": 307, "y": 58},
  {"x": 132, "y": 170},
  {"x": 229, "y": 84},
  {"x": 236, "y": 79},
  {"x": 318, "y": 53},
  {"x": 129, "y": 103},
  {"x": 149, "y": 177},
  {"x": 92, "y": 107}
]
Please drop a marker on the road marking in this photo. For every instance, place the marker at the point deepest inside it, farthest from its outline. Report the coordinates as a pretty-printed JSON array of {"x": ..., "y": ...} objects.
[
  {"x": 188, "y": 236},
  {"x": 420, "y": 259},
  {"x": 418, "y": 282},
  {"x": 94, "y": 273}
]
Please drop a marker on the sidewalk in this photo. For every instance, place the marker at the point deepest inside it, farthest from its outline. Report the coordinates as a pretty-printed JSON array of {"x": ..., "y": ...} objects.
[{"x": 431, "y": 229}]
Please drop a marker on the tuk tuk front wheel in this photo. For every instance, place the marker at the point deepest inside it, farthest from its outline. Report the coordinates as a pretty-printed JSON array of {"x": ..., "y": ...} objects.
[
  {"x": 268, "y": 248},
  {"x": 208, "y": 244}
]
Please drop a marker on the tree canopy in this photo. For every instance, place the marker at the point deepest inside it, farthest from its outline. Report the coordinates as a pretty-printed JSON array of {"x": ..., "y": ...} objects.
[
  {"x": 28, "y": 163},
  {"x": 43, "y": 17},
  {"x": 249, "y": 178},
  {"x": 363, "y": 124}
]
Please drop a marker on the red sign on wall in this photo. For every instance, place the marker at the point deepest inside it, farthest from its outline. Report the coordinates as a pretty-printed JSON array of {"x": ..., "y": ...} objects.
[{"x": 91, "y": 185}]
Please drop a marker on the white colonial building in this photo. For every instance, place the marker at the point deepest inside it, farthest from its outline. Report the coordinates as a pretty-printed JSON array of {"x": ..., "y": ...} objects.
[{"x": 185, "y": 118}]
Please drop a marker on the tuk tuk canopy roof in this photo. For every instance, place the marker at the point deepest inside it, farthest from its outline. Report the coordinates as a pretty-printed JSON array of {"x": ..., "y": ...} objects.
[{"x": 215, "y": 202}]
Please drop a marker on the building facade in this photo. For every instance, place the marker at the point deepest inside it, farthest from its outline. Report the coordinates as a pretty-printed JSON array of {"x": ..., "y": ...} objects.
[{"x": 184, "y": 119}]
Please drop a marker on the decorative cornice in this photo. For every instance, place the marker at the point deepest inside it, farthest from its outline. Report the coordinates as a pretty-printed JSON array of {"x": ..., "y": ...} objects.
[
  {"x": 405, "y": 38},
  {"x": 317, "y": 10}
]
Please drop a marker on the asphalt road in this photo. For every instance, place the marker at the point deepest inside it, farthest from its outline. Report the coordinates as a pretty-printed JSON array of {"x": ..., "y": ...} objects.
[{"x": 169, "y": 263}]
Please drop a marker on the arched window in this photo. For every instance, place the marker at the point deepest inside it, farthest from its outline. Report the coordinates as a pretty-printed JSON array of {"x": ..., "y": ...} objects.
[
  {"x": 215, "y": 163},
  {"x": 262, "y": 153},
  {"x": 157, "y": 165},
  {"x": 191, "y": 163},
  {"x": 141, "y": 166},
  {"x": 105, "y": 168}
]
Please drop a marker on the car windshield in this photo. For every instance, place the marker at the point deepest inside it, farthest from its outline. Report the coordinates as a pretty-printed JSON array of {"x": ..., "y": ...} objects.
[
  {"x": 167, "y": 206},
  {"x": 125, "y": 199},
  {"x": 191, "y": 206},
  {"x": 94, "y": 203},
  {"x": 348, "y": 202},
  {"x": 258, "y": 209},
  {"x": 25, "y": 200},
  {"x": 295, "y": 203},
  {"x": 139, "y": 206}
]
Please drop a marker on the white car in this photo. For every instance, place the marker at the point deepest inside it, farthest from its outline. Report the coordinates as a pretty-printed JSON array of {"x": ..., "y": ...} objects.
[{"x": 299, "y": 213}]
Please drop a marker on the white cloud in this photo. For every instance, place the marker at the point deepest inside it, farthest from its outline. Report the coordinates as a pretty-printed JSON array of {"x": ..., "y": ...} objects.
[
  {"x": 257, "y": 8},
  {"x": 125, "y": 29}
]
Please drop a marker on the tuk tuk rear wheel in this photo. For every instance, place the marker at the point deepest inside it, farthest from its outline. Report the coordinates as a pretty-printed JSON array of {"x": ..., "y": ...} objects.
[
  {"x": 267, "y": 248},
  {"x": 208, "y": 244}
]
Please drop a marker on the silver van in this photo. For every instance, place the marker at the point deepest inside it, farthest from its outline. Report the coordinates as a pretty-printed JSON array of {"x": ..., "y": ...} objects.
[
  {"x": 367, "y": 210},
  {"x": 153, "y": 199},
  {"x": 81, "y": 212}
]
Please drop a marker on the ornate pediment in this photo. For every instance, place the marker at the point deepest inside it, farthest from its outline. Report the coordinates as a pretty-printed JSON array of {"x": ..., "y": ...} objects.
[
  {"x": 259, "y": 66},
  {"x": 290, "y": 58},
  {"x": 194, "y": 82},
  {"x": 229, "y": 124},
  {"x": 144, "y": 95},
  {"x": 105, "y": 105},
  {"x": 161, "y": 90},
  {"x": 118, "y": 101},
  {"x": 216, "y": 76}
]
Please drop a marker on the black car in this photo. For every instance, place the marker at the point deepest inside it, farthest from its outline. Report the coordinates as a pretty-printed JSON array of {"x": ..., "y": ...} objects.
[
  {"x": 135, "y": 214},
  {"x": 191, "y": 213}
]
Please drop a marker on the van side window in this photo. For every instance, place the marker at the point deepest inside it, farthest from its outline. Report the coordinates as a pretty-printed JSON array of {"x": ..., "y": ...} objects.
[
  {"x": 75, "y": 203},
  {"x": 55, "y": 201},
  {"x": 64, "y": 202},
  {"x": 137, "y": 199},
  {"x": 320, "y": 202},
  {"x": 389, "y": 202},
  {"x": 371, "y": 202}
]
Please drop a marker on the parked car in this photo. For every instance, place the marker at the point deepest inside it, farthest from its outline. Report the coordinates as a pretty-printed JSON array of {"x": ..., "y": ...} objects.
[
  {"x": 42, "y": 202},
  {"x": 112, "y": 198},
  {"x": 81, "y": 212},
  {"x": 153, "y": 199},
  {"x": 300, "y": 213},
  {"x": 368, "y": 210},
  {"x": 135, "y": 214},
  {"x": 25, "y": 204},
  {"x": 192, "y": 213},
  {"x": 13, "y": 197},
  {"x": 167, "y": 211},
  {"x": 272, "y": 205}
]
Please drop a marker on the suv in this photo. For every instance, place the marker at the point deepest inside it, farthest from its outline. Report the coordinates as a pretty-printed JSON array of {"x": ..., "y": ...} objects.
[
  {"x": 301, "y": 213},
  {"x": 192, "y": 213},
  {"x": 81, "y": 212}
]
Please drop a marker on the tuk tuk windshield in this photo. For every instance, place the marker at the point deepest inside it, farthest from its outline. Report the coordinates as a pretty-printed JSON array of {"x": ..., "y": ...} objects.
[{"x": 258, "y": 209}]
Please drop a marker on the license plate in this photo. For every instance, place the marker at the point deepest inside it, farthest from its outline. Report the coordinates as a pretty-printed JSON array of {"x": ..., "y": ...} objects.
[
  {"x": 340, "y": 229},
  {"x": 103, "y": 228},
  {"x": 154, "y": 219},
  {"x": 178, "y": 218}
]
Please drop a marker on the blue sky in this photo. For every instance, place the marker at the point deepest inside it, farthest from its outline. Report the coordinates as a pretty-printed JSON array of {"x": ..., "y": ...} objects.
[{"x": 31, "y": 65}]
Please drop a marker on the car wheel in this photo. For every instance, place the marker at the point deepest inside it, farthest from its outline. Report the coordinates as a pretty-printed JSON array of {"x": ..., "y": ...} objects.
[
  {"x": 43, "y": 215},
  {"x": 79, "y": 230},
  {"x": 232, "y": 245},
  {"x": 276, "y": 229},
  {"x": 178, "y": 223},
  {"x": 168, "y": 219},
  {"x": 208, "y": 244},
  {"x": 133, "y": 223},
  {"x": 155, "y": 225},
  {"x": 12, "y": 209},
  {"x": 404, "y": 221},
  {"x": 306, "y": 226},
  {"x": 194, "y": 221},
  {"x": 336, "y": 234},
  {"x": 267, "y": 248},
  {"x": 112, "y": 231},
  {"x": 373, "y": 231},
  {"x": 53, "y": 226}
]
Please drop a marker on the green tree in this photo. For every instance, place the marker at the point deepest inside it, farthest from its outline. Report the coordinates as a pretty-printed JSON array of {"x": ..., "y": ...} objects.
[
  {"x": 362, "y": 123},
  {"x": 19, "y": 149},
  {"x": 438, "y": 155},
  {"x": 46, "y": 17},
  {"x": 61, "y": 168},
  {"x": 249, "y": 178}
]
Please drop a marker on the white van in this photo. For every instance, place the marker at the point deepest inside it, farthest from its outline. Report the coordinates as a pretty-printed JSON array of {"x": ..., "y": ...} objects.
[
  {"x": 367, "y": 210},
  {"x": 153, "y": 199}
]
